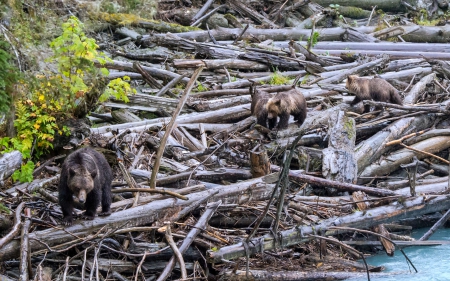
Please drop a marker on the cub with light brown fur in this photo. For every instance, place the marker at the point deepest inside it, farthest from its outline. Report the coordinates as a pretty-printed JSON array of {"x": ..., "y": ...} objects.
[
  {"x": 258, "y": 108},
  {"x": 284, "y": 104},
  {"x": 376, "y": 89}
]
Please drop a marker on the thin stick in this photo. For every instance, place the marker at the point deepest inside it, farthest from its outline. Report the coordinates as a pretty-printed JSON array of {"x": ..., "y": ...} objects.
[
  {"x": 170, "y": 127},
  {"x": 66, "y": 269},
  {"x": 176, "y": 252},
  {"x": 371, "y": 14},
  {"x": 426, "y": 153},
  {"x": 139, "y": 266},
  {"x": 16, "y": 228}
]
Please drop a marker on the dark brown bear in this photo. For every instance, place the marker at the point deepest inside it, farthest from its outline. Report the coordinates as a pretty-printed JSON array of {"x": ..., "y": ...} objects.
[
  {"x": 258, "y": 108},
  {"x": 86, "y": 174},
  {"x": 376, "y": 89},
  {"x": 283, "y": 105}
]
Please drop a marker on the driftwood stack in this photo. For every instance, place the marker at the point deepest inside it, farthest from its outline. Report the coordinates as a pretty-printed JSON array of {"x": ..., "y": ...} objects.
[{"x": 202, "y": 191}]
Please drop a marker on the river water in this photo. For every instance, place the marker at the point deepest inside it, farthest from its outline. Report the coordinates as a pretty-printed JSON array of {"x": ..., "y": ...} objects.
[{"x": 432, "y": 262}]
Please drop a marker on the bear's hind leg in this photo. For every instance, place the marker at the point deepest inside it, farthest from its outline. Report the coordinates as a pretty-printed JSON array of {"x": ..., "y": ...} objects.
[{"x": 91, "y": 204}]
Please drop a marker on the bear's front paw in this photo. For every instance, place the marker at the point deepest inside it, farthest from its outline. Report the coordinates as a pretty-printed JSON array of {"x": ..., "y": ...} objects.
[
  {"x": 67, "y": 221},
  {"x": 104, "y": 214}
]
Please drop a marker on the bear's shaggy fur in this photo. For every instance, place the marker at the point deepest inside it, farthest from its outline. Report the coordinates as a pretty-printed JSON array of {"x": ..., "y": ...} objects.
[
  {"x": 376, "y": 89},
  {"x": 258, "y": 108},
  {"x": 86, "y": 174},
  {"x": 284, "y": 104}
]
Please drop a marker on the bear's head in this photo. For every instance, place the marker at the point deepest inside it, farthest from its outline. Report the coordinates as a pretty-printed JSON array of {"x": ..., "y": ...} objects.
[
  {"x": 351, "y": 84},
  {"x": 273, "y": 107},
  {"x": 81, "y": 181}
]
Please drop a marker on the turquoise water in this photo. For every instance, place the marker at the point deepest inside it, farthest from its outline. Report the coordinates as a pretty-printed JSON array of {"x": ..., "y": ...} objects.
[{"x": 432, "y": 262}]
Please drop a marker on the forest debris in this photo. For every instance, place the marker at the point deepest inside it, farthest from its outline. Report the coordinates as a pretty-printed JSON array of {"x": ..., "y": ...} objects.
[{"x": 201, "y": 224}]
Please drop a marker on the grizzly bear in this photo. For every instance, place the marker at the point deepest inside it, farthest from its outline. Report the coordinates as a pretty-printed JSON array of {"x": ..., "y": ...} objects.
[
  {"x": 284, "y": 104},
  {"x": 86, "y": 174},
  {"x": 258, "y": 108},
  {"x": 377, "y": 89}
]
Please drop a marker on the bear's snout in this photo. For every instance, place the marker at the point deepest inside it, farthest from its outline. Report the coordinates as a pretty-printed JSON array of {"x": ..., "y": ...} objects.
[{"x": 82, "y": 196}]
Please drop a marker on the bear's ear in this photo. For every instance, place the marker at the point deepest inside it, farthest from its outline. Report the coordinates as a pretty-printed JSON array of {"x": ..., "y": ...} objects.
[
  {"x": 72, "y": 172},
  {"x": 277, "y": 102}
]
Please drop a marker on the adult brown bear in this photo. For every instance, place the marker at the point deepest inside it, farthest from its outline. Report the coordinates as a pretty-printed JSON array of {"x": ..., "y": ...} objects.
[
  {"x": 376, "y": 89},
  {"x": 86, "y": 174},
  {"x": 284, "y": 104}
]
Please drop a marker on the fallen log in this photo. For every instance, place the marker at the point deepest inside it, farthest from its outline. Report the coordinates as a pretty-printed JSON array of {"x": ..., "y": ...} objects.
[
  {"x": 393, "y": 161},
  {"x": 297, "y": 275},
  {"x": 360, "y": 219},
  {"x": 224, "y": 115},
  {"x": 140, "y": 215}
]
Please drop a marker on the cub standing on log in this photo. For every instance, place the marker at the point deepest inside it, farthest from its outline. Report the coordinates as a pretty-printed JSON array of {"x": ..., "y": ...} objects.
[
  {"x": 258, "y": 108},
  {"x": 284, "y": 104},
  {"x": 86, "y": 174},
  {"x": 367, "y": 89}
]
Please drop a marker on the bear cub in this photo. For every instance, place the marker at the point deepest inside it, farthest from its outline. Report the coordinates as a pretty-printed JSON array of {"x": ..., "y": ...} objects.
[
  {"x": 376, "y": 89},
  {"x": 284, "y": 104},
  {"x": 86, "y": 174},
  {"x": 258, "y": 108}
]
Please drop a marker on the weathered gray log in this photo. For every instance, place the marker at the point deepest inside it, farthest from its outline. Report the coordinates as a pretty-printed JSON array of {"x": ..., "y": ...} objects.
[
  {"x": 357, "y": 70},
  {"x": 338, "y": 159},
  {"x": 124, "y": 116},
  {"x": 9, "y": 163},
  {"x": 322, "y": 46},
  {"x": 202, "y": 105},
  {"x": 371, "y": 149},
  {"x": 360, "y": 219},
  {"x": 218, "y": 64},
  {"x": 393, "y": 161},
  {"x": 352, "y": 35},
  {"x": 255, "y": 189},
  {"x": 279, "y": 275},
  {"x": 394, "y": 55},
  {"x": 126, "y": 66},
  {"x": 225, "y": 115},
  {"x": 412, "y": 96},
  {"x": 154, "y": 103},
  {"x": 221, "y": 34},
  {"x": 300, "y": 176}
]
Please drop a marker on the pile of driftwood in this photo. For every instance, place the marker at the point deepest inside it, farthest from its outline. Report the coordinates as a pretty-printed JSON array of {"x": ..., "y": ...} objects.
[{"x": 201, "y": 191}]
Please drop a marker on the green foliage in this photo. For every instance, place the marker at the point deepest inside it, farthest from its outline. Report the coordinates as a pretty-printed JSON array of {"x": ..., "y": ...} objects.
[
  {"x": 4, "y": 209},
  {"x": 52, "y": 98},
  {"x": 201, "y": 88},
  {"x": 25, "y": 174},
  {"x": 119, "y": 89},
  {"x": 315, "y": 39},
  {"x": 8, "y": 76},
  {"x": 74, "y": 54},
  {"x": 278, "y": 79}
]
